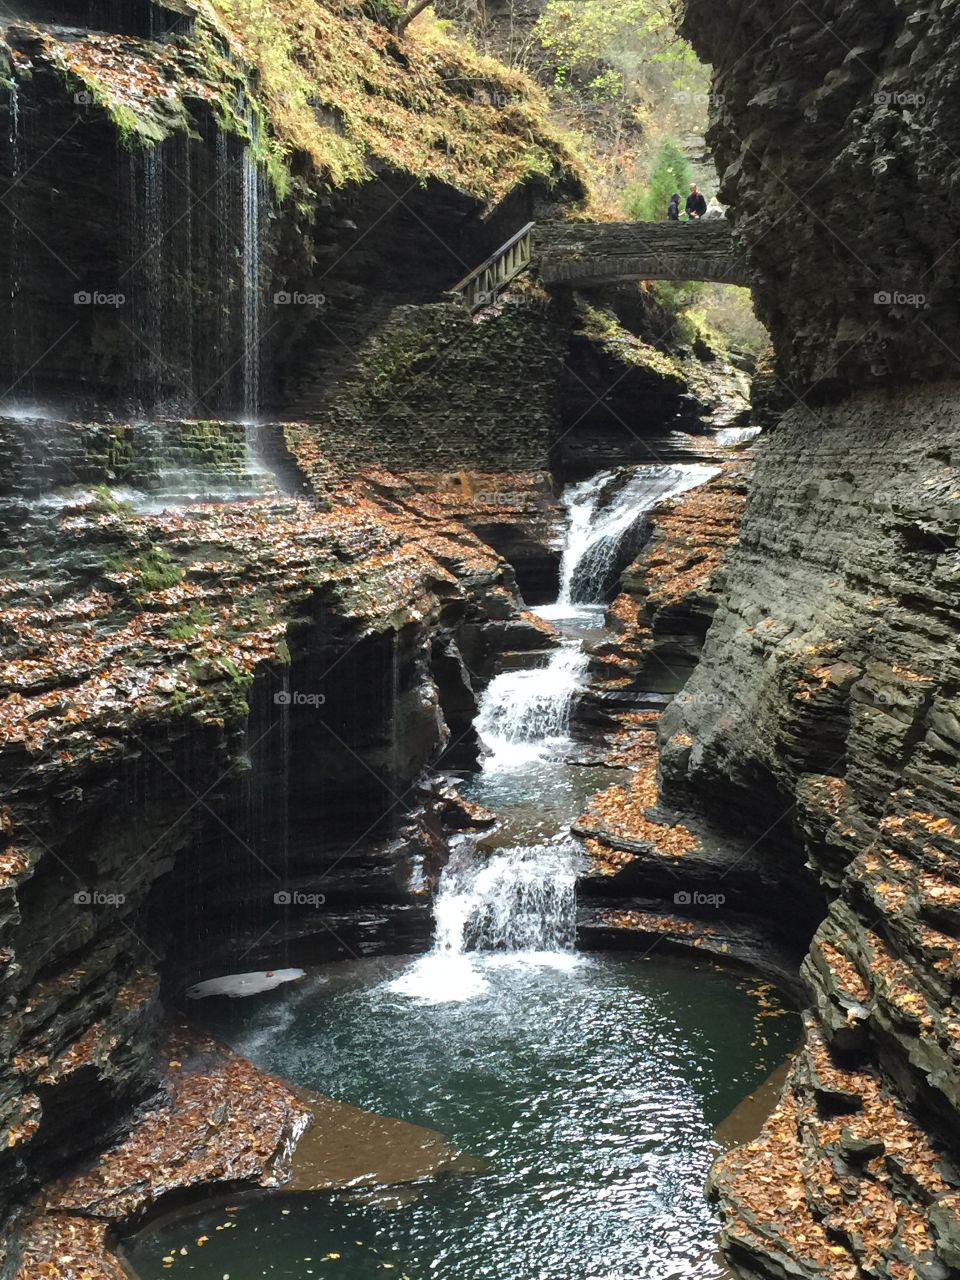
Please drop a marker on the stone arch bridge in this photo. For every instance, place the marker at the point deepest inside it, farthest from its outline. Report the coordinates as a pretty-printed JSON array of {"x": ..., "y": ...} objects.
[{"x": 581, "y": 254}]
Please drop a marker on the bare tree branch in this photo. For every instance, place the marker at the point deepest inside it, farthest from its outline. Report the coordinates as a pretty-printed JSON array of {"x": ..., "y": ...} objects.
[{"x": 408, "y": 17}]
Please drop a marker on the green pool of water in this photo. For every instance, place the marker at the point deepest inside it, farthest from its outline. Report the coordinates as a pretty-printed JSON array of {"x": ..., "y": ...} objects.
[{"x": 589, "y": 1085}]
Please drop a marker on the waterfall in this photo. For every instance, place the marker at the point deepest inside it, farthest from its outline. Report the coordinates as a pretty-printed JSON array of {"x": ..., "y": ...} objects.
[
  {"x": 603, "y": 511},
  {"x": 517, "y": 904},
  {"x": 730, "y": 436},
  {"x": 252, "y": 290},
  {"x": 225, "y": 248},
  {"x": 519, "y": 899},
  {"x": 146, "y": 273},
  {"x": 523, "y": 712},
  {"x": 513, "y": 906},
  {"x": 15, "y": 248}
]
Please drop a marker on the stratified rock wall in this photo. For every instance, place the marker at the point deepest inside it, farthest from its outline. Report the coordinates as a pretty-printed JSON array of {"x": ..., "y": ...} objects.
[
  {"x": 214, "y": 720},
  {"x": 836, "y": 135},
  {"x": 824, "y": 717},
  {"x": 826, "y": 709}
]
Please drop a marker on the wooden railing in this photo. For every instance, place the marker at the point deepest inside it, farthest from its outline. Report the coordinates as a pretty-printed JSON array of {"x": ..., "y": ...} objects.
[{"x": 480, "y": 287}]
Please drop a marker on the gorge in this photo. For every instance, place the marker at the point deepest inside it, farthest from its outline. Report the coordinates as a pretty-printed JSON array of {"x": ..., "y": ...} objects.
[{"x": 552, "y": 714}]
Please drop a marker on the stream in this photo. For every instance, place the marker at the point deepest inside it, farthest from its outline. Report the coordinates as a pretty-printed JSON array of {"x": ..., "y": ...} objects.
[{"x": 586, "y": 1088}]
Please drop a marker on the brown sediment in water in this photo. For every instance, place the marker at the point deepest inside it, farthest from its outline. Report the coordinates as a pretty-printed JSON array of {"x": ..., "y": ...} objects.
[
  {"x": 743, "y": 1124},
  {"x": 348, "y": 1147},
  {"x": 219, "y": 1124},
  {"x": 746, "y": 1120}
]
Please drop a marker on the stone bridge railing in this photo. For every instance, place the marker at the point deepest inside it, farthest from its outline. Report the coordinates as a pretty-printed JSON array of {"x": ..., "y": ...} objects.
[
  {"x": 581, "y": 254},
  {"x": 592, "y": 253}
]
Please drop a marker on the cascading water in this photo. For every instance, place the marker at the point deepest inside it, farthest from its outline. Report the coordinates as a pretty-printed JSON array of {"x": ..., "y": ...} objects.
[
  {"x": 146, "y": 274},
  {"x": 514, "y": 906},
  {"x": 731, "y": 436},
  {"x": 522, "y": 713},
  {"x": 519, "y": 900},
  {"x": 601, "y": 515},
  {"x": 252, "y": 286}
]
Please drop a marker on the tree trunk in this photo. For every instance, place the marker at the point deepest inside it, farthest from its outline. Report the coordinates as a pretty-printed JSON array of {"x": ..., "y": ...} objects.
[{"x": 407, "y": 18}]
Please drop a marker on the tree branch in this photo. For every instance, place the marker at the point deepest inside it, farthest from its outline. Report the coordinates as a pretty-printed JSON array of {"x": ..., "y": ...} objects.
[{"x": 407, "y": 18}]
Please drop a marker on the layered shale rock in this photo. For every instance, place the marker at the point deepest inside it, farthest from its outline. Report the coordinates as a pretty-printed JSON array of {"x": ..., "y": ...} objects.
[
  {"x": 826, "y": 127},
  {"x": 670, "y": 592},
  {"x": 216, "y": 714},
  {"x": 823, "y": 719}
]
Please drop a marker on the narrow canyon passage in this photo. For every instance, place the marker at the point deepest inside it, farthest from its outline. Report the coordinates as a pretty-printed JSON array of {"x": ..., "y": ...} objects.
[
  {"x": 479, "y": 617},
  {"x": 583, "y": 1088}
]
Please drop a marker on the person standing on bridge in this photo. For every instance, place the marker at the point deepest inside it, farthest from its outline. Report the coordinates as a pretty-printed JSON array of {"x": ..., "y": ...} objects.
[
  {"x": 696, "y": 206},
  {"x": 673, "y": 208}
]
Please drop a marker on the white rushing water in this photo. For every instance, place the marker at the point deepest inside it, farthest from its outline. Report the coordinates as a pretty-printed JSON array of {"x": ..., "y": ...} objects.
[
  {"x": 524, "y": 713},
  {"x": 730, "y": 436},
  {"x": 602, "y": 511},
  {"x": 517, "y": 905},
  {"x": 509, "y": 906},
  {"x": 252, "y": 285},
  {"x": 513, "y": 905},
  {"x": 517, "y": 899}
]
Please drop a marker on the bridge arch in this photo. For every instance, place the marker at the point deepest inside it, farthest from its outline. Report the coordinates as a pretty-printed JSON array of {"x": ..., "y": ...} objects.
[{"x": 581, "y": 254}]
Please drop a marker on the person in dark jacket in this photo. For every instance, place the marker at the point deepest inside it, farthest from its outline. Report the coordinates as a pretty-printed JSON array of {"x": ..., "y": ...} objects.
[
  {"x": 673, "y": 208},
  {"x": 696, "y": 205}
]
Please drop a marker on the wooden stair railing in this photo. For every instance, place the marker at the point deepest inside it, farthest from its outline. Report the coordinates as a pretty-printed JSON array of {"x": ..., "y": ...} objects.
[{"x": 480, "y": 288}]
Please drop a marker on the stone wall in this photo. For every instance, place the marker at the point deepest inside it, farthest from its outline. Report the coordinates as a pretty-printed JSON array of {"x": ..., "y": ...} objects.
[
  {"x": 431, "y": 388},
  {"x": 824, "y": 715}
]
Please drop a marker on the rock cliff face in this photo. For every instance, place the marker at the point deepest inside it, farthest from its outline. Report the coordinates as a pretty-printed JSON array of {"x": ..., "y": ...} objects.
[
  {"x": 156, "y": 194},
  {"x": 670, "y": 592},
  {"x": 215, "y": 720},
  {"x": 824, "y": 713},
  {"x": 826, "y": 127},
  {"x": 823, "y": 718}
]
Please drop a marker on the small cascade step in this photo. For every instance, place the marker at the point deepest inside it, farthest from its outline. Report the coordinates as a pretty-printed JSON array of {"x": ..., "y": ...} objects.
[
  {"x": 605, "y": 517},
  {"x": 634, "y": 699}
]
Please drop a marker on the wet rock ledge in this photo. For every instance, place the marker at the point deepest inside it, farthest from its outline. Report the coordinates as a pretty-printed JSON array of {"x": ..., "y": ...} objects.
[
  {"x": 216, "y": 722},
  {"x": 217, "y": 1124}
]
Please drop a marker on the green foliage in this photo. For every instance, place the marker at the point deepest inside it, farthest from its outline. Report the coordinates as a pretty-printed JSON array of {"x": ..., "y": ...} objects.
[
  {"x": 585, "y": 36},
  {"x": 107, "y": 502},
  {"x": 670, "y": 172},
  {"x": 157, "y": 569},
  {"x": 680, "y": 304},
  {"x": 728, "y": 310},
  {"x": 721, "y": 315},
  {"x": 187, "y": 625},
  {"x": 337, "y": 86},
  {"x": 602, "y": 327},
  {"x": 623, "y": 78}
]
